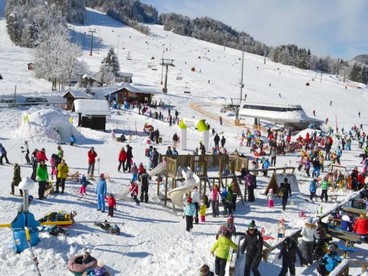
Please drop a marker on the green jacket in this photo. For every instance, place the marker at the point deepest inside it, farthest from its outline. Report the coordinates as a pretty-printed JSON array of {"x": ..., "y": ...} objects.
[
  {"x": 324, "y": 185},
  {"x": 42, "y": 174},
  {"x": 222, "y": 247}
]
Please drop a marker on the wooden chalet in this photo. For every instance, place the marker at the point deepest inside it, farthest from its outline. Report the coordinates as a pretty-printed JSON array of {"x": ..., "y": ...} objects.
[
  {"x": 71, "y": 96},
  {"x": 133, "y": 94},
  {"x": 92, "y": 113}
]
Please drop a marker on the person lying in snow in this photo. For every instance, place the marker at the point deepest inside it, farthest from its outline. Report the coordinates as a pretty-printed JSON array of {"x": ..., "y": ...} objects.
[{"x": 108, "y": 227}]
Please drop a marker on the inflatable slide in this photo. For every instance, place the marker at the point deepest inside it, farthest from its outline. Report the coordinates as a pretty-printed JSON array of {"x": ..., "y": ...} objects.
[{"x": 177, "y": 194}]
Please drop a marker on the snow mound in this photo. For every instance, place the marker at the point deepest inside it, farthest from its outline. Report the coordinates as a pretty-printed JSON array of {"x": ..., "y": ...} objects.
[{"x": 46, "y": 125}]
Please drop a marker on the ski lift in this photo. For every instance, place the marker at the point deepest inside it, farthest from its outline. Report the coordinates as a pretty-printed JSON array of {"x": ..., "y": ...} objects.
[
  {"x": 179, "y": 76},
  {"x": 186, "y": 89}
]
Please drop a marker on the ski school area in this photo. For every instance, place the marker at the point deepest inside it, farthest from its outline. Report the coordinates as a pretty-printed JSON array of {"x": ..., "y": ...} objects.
[{"x": 272, "y": 185}]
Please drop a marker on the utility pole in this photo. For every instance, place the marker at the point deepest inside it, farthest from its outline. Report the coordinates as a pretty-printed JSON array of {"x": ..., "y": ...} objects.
[
  {"x": 91, "y": 31},
  {"x": 162, "y": 66},
  {"x": 166, "y": 63},
  {"x": 241, "y": 89}
]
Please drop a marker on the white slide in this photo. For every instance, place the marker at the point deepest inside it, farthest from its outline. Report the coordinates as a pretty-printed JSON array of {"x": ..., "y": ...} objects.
[
  {"x": 123, "y": 193},
  {"x": 177, "y": 194},
  {"x": 160, "y": 168}
]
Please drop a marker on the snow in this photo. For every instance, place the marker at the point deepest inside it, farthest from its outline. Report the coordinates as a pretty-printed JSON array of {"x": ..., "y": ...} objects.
[{"x": 153, "y": 239}]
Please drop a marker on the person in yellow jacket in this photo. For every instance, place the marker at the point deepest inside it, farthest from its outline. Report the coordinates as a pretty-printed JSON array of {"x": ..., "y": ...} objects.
[
  {"x": 221, "y": 249},
  {"x": 202, "y": 212},
  {"x": 62, "y": 173}
]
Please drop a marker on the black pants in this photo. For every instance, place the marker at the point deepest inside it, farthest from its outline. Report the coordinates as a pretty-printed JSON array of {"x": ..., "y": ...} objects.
[
  {"x": 312, "y": 195},
  {"x": 135, "y": 199},
  {"x": 91, "y": 168},
  {"x": 128, "y": 164},
  {"x": 60, "y": 182},
  {"x": 215, "y": 208},
  {"x": 4, "y": 156},
  {"x": 220, "y": 265},
  {"x": 121, "y": 165},
  {"x": 189, "y": 223},
  {"x": 287, "y": 265},
  {"x": 251, "y": 263},
  {"x": 111, "y": 211},
  {"x": 284, "y": 202},
  {"x": 324, "y": 195},
  {"x": 41, "y": 189},
  {"x": 144, "y": 194}
]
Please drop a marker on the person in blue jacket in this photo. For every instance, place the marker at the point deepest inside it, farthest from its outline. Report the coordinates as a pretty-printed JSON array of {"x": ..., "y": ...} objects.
[
  {"x": 329, "y": 261},
  {"x": 72, "y": 140},
  {"x": 189, "y": 212},
  {"x": 313, "y": 188},
  {"x": 101, "y": 190}
]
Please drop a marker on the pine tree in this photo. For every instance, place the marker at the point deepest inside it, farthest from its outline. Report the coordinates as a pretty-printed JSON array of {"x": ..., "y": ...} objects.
[{"x": 111, "y": 60}]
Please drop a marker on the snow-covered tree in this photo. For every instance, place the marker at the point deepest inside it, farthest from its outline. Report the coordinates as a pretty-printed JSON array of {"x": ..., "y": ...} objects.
[
  {"x": 55, "y": 56},
  {"x": 111, "y": 61}
]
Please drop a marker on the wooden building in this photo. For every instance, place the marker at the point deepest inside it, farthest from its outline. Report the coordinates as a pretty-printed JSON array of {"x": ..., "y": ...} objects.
[
  {"x": 133, "y": 94},
  {"x": 92, "y": 113},
  {"x": 71, "y": 96}
]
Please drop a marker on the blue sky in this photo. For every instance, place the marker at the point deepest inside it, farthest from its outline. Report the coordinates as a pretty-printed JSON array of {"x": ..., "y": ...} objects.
[{"x": 327, "y": 27}]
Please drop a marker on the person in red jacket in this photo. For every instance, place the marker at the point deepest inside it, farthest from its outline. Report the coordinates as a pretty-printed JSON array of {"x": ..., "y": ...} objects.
[
  {"x": 141, "y": 169},
  {"x": 111, "y": 202},
  {"x": 361, "y": 225},
  {"x": 41, "y": 155},
  {"x": 122, "y": 158},
  {"x": 134, "y": 191},
  {"x": 91, "y": 161}
]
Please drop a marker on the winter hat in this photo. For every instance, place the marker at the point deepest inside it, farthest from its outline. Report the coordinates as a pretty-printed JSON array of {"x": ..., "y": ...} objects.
[
  {"x": 252, "y": 225},
  {"x": 111, "y": 195},
  {"x": 285, "y": 179},
  {"x": 310, "y": 220},
  {"x": 102, "y": 175},
  {"x": 100, "y": 264},
  {"x": 230, "y": 219},
  {"x": 189, "y": 200}
]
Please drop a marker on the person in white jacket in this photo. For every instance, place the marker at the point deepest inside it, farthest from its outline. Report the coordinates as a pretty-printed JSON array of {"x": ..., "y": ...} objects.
[
  {"x": 196, "y": 201},
  {"x": 309, "y": 237}
]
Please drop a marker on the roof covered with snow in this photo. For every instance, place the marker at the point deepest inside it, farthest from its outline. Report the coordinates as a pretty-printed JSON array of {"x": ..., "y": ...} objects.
[
  {"x": 92, "y": 107},
  {"x": 135, "y": 89}
]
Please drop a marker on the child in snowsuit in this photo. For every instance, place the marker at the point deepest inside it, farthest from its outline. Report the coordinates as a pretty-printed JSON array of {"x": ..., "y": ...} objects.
[
  {"x": 111, "y": 203},
  {"x": 134, "y": 191},
  {"x": 189, "y": 212},
  {"x": 329, "y": 261},
  {"x": 270, "y": 202},
  {"x": 287, "y": 253},
  {"x": 202, "y": 212},
  {"x": 84, "y": 183},
  {"x": 16, "y": 179}
]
